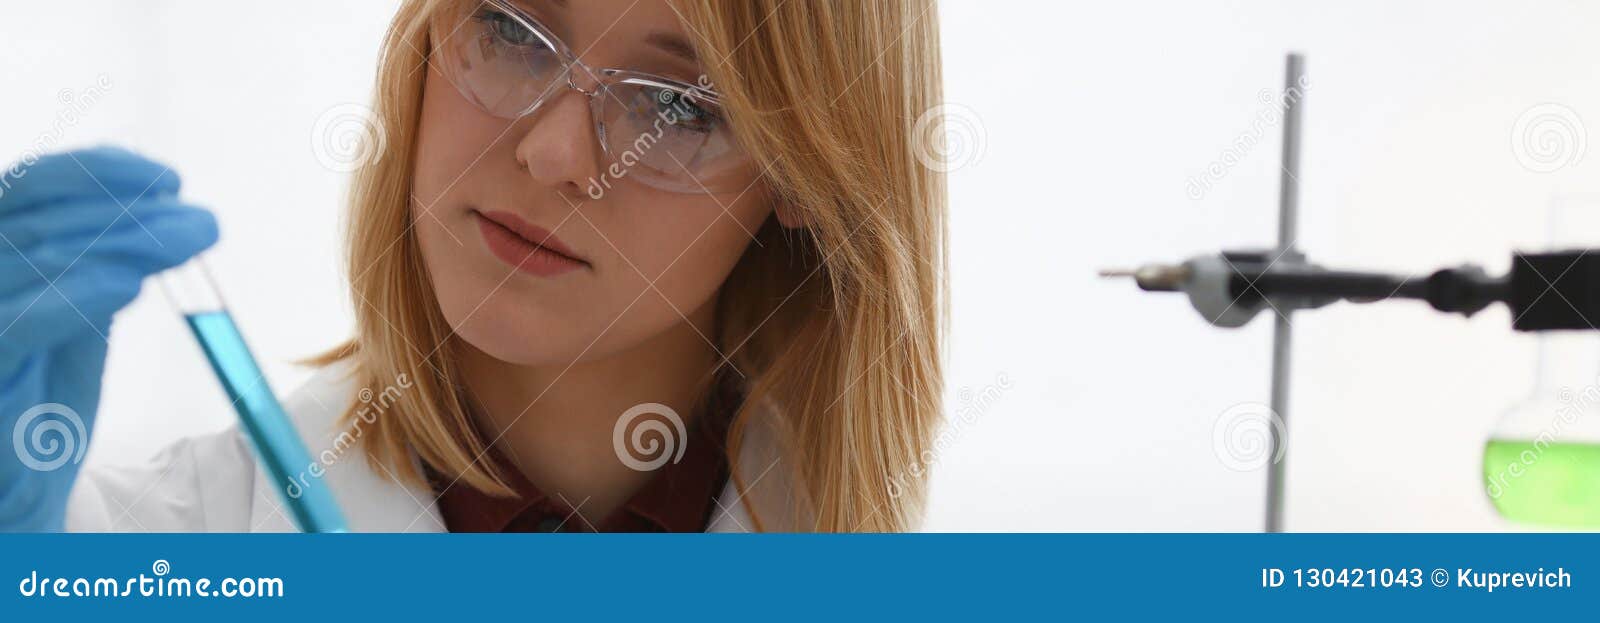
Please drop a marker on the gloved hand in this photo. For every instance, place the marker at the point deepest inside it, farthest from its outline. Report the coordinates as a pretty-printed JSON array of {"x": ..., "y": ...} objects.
[{"x": 79, "y": 231}]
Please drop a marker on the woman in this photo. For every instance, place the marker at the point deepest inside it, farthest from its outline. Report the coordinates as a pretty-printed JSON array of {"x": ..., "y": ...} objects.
[{"x": 706, "y": 213}]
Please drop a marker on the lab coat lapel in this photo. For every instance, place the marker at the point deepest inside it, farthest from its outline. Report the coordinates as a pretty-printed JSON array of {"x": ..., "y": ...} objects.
[
  {"x": 372, "y": 501},
  {"x": 375, "y": 500}
]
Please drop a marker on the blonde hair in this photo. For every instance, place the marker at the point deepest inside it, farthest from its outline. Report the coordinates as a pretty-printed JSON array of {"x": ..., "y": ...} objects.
[{"x": 838, "y": 325}]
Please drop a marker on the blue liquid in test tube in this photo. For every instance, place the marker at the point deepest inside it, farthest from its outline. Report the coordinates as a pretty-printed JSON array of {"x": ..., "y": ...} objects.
[{"x": 277, "y": 443}]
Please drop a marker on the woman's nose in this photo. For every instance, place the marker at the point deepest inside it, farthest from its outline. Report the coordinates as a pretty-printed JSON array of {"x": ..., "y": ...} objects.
[{"x": 559, "y": 147}]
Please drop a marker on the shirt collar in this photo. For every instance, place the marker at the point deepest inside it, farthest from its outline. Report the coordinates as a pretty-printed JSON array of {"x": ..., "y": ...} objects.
[{"x": 680, "y": 497}]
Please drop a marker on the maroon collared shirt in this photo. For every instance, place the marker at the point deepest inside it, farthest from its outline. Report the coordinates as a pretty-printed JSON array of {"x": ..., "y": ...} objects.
[{"x": 680, "y": 497}]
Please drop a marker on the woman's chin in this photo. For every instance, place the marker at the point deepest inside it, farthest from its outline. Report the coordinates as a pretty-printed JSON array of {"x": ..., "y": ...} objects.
[{"x": 503, "y": 342}]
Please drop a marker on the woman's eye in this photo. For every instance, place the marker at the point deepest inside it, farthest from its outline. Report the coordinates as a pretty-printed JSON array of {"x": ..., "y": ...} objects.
[
  {"x": 507, "y": 30},
  {"x": 685, "y": 111}
]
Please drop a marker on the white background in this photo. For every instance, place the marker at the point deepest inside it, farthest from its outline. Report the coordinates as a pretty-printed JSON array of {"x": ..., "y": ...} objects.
[{"x": 1081, "y": 125}]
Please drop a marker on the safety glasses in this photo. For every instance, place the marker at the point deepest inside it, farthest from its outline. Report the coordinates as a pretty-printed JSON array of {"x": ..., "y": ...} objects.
[{"x": 662, "y": 132}]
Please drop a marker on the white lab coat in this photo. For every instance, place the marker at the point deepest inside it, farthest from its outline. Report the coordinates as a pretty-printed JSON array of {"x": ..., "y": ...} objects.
[{"x": 212, "y": 483}]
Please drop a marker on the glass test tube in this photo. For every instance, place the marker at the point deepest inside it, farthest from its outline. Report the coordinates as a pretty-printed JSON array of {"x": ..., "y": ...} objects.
[{"x": 277, "y": 443}]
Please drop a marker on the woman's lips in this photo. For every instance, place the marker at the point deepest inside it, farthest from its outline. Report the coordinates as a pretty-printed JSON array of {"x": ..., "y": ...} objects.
[{"x": 527, "y": 247}]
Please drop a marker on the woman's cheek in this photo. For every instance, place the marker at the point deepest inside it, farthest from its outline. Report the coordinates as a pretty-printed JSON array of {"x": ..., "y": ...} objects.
[
  {"x": 694, "y": 254},
  {"x": 453, "y": 281}
]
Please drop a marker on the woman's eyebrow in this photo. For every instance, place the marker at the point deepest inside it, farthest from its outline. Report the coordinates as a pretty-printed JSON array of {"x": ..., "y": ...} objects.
[{"x": 674, "y": 44}]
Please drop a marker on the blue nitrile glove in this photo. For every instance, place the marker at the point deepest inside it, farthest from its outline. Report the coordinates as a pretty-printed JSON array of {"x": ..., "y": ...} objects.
[{"x": 78, "y": 232}]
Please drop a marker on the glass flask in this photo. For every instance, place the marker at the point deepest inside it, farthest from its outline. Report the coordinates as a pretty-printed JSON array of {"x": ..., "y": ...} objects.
[{"x": 1541, "y": 465}]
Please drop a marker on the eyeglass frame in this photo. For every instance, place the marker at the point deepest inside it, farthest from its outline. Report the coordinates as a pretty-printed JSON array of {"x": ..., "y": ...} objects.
[{"x": 603, "y": 79}]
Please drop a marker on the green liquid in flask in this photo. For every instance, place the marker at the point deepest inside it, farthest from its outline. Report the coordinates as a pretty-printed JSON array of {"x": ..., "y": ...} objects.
[{"x": 1550, "y": 484}]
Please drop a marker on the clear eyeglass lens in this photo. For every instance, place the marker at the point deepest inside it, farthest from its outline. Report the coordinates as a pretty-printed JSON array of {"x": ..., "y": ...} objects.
[
  {"x": 671, "y": 138},
  {"x": 668, "y": 137},
  {"x": 498, "y": 62}
]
